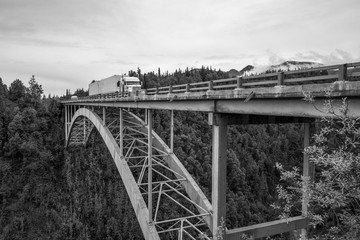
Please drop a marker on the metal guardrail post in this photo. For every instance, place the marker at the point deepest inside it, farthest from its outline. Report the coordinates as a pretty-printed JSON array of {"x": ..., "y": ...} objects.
[
  {"x": 342, "y": 72},
  {"x": 170, "y": 93},
  {"x": 239, "y": 81},
  {"x": 280, "y": 79},
  {"x": 187, "y": 88},
  {"x": 156, "y": 90},
  {"x": 211, "y": 86}
]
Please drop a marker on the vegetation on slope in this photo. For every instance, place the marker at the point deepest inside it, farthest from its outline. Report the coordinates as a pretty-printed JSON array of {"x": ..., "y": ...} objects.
[{"x": 49, "y": 192}]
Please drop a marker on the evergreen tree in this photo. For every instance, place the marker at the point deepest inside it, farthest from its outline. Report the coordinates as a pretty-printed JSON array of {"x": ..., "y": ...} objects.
[
  {"x": 16, "y": 90},
  {"x": 333, "y": 192}
]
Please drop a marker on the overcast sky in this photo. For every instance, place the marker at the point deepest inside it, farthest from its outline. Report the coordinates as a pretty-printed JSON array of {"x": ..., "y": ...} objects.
[{"x": 68, "y": 43}]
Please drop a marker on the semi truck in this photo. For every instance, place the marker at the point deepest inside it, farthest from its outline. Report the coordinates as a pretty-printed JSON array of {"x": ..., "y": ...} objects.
[{"x": 115, "y": 84}]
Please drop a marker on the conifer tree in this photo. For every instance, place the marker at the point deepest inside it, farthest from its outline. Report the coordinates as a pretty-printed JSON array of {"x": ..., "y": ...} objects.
[{"x": 333, "y": 193}]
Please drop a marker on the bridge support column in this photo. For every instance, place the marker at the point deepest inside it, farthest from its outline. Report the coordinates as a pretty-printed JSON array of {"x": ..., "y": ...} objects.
[
  {"x": 69, "y": 114},
  {"x": 72, "y": 113},
  {"x": 308, "y": 172},
  {"x": 121, "y": 132},
  {"x": 172, "y": 132},
  {"x": 146, "y": 116},
  {"x": 66, "y": 123},
  {"x": 150, "y": 143},
  {"x": 219, "y": 145},
  {"x": 104, "y": 116},
  {"x": 84, "y": 131}
]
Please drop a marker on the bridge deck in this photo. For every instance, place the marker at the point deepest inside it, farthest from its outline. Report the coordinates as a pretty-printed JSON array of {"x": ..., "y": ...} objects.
[{"x": 273, "y": 101}]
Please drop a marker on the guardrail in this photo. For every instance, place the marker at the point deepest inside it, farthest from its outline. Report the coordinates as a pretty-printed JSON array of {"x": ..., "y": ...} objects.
[
  {"x": 326, "y": 74},
  {"x": 297, "y": 77}
]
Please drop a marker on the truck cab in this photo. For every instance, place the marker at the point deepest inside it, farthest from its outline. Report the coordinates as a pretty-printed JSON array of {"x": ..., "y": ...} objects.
[{"x": 129, "y": 84}]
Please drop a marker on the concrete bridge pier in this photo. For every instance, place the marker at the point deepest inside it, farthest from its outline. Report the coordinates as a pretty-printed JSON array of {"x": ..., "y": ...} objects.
[
  {"x": 218, "y": 195},
  {"x": 220, "y": 123},
  {"x": 308, "y": 172}
]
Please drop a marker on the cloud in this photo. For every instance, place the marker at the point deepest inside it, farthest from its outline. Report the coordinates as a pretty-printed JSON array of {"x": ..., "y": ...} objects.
[
  {"x": 275, "y": 58},
  {"x": 335, "y": 57},
  {"x": 263, "y": 61},
  {"x": 11, "y": 27},
  {"x": 114, "y": 61},
  {"x": 29, "y": 41},
  {"x": 89, "y": 39},
  {"x": 229, "y": 56}
]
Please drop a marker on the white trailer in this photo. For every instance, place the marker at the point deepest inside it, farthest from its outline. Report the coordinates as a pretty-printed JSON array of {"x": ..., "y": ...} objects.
[
  {"x": 116, "y": 83},
  {"x": 104, "y": 86}
]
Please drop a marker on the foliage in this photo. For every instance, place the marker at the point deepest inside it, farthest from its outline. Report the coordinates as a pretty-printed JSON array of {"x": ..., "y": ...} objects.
[
  {"x": 333, "y": 193},
  {"x": 80, "y": 92},
  {"x": 47, "y": 192},
  {"x": 16, "y": 90},
  {"x": 158, "y": 79},
  {"x": 35, "y": 90},
  {"x": 98, "y": 204},
  {"x": 29, "y": 192}
]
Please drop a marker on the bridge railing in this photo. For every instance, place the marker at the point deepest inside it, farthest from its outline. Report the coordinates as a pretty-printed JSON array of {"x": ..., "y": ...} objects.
[{"x": 325, "y": 74}]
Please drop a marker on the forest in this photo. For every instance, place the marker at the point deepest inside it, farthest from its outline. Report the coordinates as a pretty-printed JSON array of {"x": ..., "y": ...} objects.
[{"x": 49, "y": 192}]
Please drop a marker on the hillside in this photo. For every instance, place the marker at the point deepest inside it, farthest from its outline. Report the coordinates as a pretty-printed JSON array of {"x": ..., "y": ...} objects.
[
  {"x": 285, "y": 66},
  {"x": 235, "y": 73},
  {"x": 48, "y": 192},
  {"x": 293, "y": 65}
]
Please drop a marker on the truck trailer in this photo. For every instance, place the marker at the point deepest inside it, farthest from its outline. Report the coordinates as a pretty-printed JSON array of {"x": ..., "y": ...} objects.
[{"x": 113, "y": 84}]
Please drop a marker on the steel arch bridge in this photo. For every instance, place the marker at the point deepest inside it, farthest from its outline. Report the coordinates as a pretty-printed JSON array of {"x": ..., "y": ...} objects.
[
  {"x": 153, "y": 175},
  {"x": 150, "y": 171}
]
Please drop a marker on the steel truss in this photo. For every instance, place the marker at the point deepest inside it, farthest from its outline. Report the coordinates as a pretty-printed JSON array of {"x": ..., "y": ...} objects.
[
  {"x": 82, "y": 128},
  {"x": 175, "y": 214}
]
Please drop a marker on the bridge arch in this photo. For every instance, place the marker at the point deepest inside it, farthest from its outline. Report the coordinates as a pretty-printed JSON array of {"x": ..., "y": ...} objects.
[
  {"x": 137, "y": 201},
  {"x": 84, "y": 121}
]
